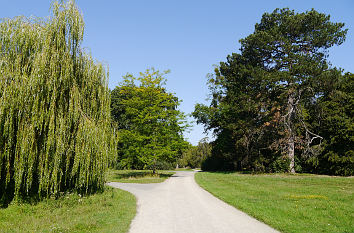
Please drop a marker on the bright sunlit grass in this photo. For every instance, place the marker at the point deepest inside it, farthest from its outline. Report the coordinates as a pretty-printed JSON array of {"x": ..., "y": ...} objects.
[
  {"x": 300, "y": 203},
  {"x": 110, "y": 211}
]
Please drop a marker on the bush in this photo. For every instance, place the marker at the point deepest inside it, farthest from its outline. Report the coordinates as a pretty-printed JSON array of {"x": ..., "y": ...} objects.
[{"x": 281, "y": 164}]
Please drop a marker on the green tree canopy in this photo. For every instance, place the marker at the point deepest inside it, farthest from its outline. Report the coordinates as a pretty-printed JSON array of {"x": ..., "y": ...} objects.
[
  {"x": 55, "y": 126},
  {"x": 150, "y": 125},
  {"x": 259, "y": 96}
]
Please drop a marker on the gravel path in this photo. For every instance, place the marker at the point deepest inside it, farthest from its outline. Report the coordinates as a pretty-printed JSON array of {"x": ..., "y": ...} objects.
[{"x": 180, "y": 205}]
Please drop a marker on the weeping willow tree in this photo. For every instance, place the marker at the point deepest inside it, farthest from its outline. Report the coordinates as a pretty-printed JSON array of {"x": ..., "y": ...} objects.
[{"x": 55, "y": 125}]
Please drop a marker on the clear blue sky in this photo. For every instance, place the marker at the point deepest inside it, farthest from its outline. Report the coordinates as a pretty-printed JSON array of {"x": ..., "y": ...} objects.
[{"x": 186, "y": 36}]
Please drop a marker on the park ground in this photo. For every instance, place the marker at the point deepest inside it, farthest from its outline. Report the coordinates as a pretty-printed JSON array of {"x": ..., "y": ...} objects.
[
  {"x": 110, "y": 211},
  {"x": 289, "y": 203},
  {"x": 114, "y": 209}
]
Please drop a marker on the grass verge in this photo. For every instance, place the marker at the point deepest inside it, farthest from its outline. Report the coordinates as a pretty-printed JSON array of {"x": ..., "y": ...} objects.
[
  {"x": 110, "y": 211},
  {"x": 186, "y": 169},
  {"x": 289, "y": 203},
  {"x": 137, "y": 176}
]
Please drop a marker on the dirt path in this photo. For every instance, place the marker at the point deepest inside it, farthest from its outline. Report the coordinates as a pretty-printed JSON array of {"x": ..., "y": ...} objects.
[{"x": 180, "y": 205}]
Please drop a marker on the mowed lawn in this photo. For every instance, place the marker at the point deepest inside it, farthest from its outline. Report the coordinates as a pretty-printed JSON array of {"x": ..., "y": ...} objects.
[
  {"x": 137, "y": 176},
  {"x": 110, "y": 211},
  {"x": 289, "y": 203}
]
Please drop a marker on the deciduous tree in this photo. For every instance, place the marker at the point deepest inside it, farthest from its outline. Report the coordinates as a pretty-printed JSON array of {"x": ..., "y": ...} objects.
[
  {"x": 55, "y": 125},
  {"x": 150, "y": 125}
]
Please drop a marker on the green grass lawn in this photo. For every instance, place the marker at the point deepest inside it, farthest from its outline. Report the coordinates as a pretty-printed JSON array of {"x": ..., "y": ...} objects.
[
  {"x": 110, "y": 211},
  {"x": 137, "y": 176},
  {"x": 289, "y": 203}
]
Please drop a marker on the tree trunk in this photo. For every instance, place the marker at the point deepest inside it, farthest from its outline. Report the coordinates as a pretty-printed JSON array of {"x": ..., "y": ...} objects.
[
  {"x": 154, "y": 166},
  {"x": 291, "y": 153},
  {"x": 291, "y": 139}
]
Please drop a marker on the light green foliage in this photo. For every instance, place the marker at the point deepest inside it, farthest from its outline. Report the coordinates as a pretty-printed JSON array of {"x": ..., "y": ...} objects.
[
  {"x": 150, "y": 125},
  {"x": 195, "y": 155},
  {"x": 55, "y": 126},
  {"x": 289, "y": 203}
]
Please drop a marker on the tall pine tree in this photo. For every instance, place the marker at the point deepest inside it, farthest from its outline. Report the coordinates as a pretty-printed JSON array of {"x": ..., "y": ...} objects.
[{"x": 259, "y": 95}]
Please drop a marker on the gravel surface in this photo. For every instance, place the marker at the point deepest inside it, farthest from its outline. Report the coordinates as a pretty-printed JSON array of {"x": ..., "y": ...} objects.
[{"x": 180, "y": 205}]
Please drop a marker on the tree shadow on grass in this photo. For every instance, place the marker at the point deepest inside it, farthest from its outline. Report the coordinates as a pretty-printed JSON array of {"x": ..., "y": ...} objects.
[
  {"x": 131, "y": 174},
  {"x": 238, "y": 172}
]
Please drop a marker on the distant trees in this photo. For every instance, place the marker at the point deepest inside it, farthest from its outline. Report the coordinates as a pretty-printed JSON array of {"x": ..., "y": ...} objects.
[
  {"x": 263, "y": 98},
  {"x": 194, "y": 156},
  {"x": 150, "y": 125},
  {"x": 55, "y": 125}
]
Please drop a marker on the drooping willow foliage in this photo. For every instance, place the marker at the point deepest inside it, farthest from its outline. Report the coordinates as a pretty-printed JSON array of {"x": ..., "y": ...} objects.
[{"x": 55, "y": 126}]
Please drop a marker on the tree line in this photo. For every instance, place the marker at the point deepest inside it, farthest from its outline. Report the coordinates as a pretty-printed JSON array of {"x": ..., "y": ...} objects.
[{"x": 278, "y": 105}]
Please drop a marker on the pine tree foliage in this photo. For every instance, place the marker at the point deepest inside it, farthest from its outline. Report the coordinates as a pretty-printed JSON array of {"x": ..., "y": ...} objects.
[
  {"x": 55, "y": 127},
  {"x": 261, "y": 97},
  {"x": 333, "y": 117}
]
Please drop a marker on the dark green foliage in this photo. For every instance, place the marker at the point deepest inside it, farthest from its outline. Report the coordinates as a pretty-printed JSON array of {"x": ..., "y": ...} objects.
[
  {"x": 150, "y": 124},
  {"x": 333, "y": 114},
  {"x": 262, "y": 98},
  {"x": 222, "y": 155},
  {"x": 55, "y": 126}
]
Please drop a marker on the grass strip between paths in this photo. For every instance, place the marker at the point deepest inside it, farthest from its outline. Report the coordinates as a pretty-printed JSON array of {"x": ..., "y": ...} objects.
[
  {"x": 110, "y": 211},
  {"x": 137, "y": 176},
  {"x": 289, "y": 203}
]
